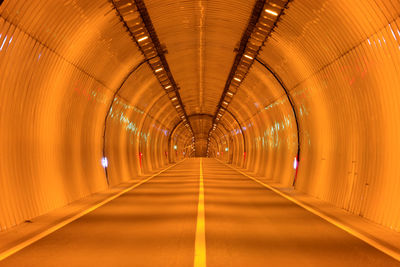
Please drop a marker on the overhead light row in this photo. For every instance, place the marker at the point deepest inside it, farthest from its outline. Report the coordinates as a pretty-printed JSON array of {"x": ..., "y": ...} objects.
[
  {"x": 256, "y": 34},
  {"x": 136, "y": 20}
]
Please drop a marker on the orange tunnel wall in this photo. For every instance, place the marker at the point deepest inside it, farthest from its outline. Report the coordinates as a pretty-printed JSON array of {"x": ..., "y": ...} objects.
[
  {"x": 59, "y": 74},
  {"x": 339, "y": 61}
]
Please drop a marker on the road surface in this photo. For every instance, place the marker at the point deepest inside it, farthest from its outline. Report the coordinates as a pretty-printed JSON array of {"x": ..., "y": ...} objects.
[{"x": 155, "y": 225}]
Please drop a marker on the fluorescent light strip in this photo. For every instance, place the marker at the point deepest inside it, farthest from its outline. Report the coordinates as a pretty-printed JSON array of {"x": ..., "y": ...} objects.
[
  {"x": 144, "y": 35},
  {"x": 271, "y": 12},
  {"x": 143, "y": 38},
  {"x": 237, "y": 79}
]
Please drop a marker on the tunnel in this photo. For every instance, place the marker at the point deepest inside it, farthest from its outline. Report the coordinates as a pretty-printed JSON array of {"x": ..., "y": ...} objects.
[{"x": 199, "y": 133}]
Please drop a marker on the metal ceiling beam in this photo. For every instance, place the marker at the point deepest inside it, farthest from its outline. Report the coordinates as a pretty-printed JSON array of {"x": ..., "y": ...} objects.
[
  {"x": 136, "y": 19},
  {"x": 263, "y": 20}
]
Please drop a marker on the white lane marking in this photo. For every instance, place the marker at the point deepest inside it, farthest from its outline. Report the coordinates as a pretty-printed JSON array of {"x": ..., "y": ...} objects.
[
  {"x": 200, "y": 241},
  {"x": 58, "y": 226},
  {"x": 388, "y": 251}
]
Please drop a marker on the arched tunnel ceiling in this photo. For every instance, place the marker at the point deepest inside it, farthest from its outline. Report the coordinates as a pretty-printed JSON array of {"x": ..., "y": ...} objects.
[
  {"x": 201, "y": 125},
  {"x": 200, "y": 37}
]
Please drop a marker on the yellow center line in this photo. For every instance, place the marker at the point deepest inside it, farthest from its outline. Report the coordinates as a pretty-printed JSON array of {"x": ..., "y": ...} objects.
[
  {"x": 200, "y": 241},
  {"x": 388, "y": 251},
  {"x": 56, "y": 227}
]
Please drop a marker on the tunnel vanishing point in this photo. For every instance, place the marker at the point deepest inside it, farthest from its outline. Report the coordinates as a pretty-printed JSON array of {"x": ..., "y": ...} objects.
[{"x": 200, "y": 133}]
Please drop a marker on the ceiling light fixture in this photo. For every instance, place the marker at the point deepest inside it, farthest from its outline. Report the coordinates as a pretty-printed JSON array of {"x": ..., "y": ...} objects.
[
  {"x": 271, "y": 12},
  {"x": 137, "y": 22},
  {"x": 143, "y": 38},
  {"x": 262, "y": 22}
]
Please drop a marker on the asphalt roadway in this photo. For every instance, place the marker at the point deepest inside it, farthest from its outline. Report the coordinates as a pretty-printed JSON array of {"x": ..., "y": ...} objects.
[{"x": 155, "y": 225}]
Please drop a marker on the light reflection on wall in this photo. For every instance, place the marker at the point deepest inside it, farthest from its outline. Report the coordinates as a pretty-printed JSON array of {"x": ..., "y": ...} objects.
[
  {"x": 272, "y": 132},
  {"x": 118, "y": 114},
  {"x": 91, "y": 94},
  {"x": 119, "y": 110}
]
